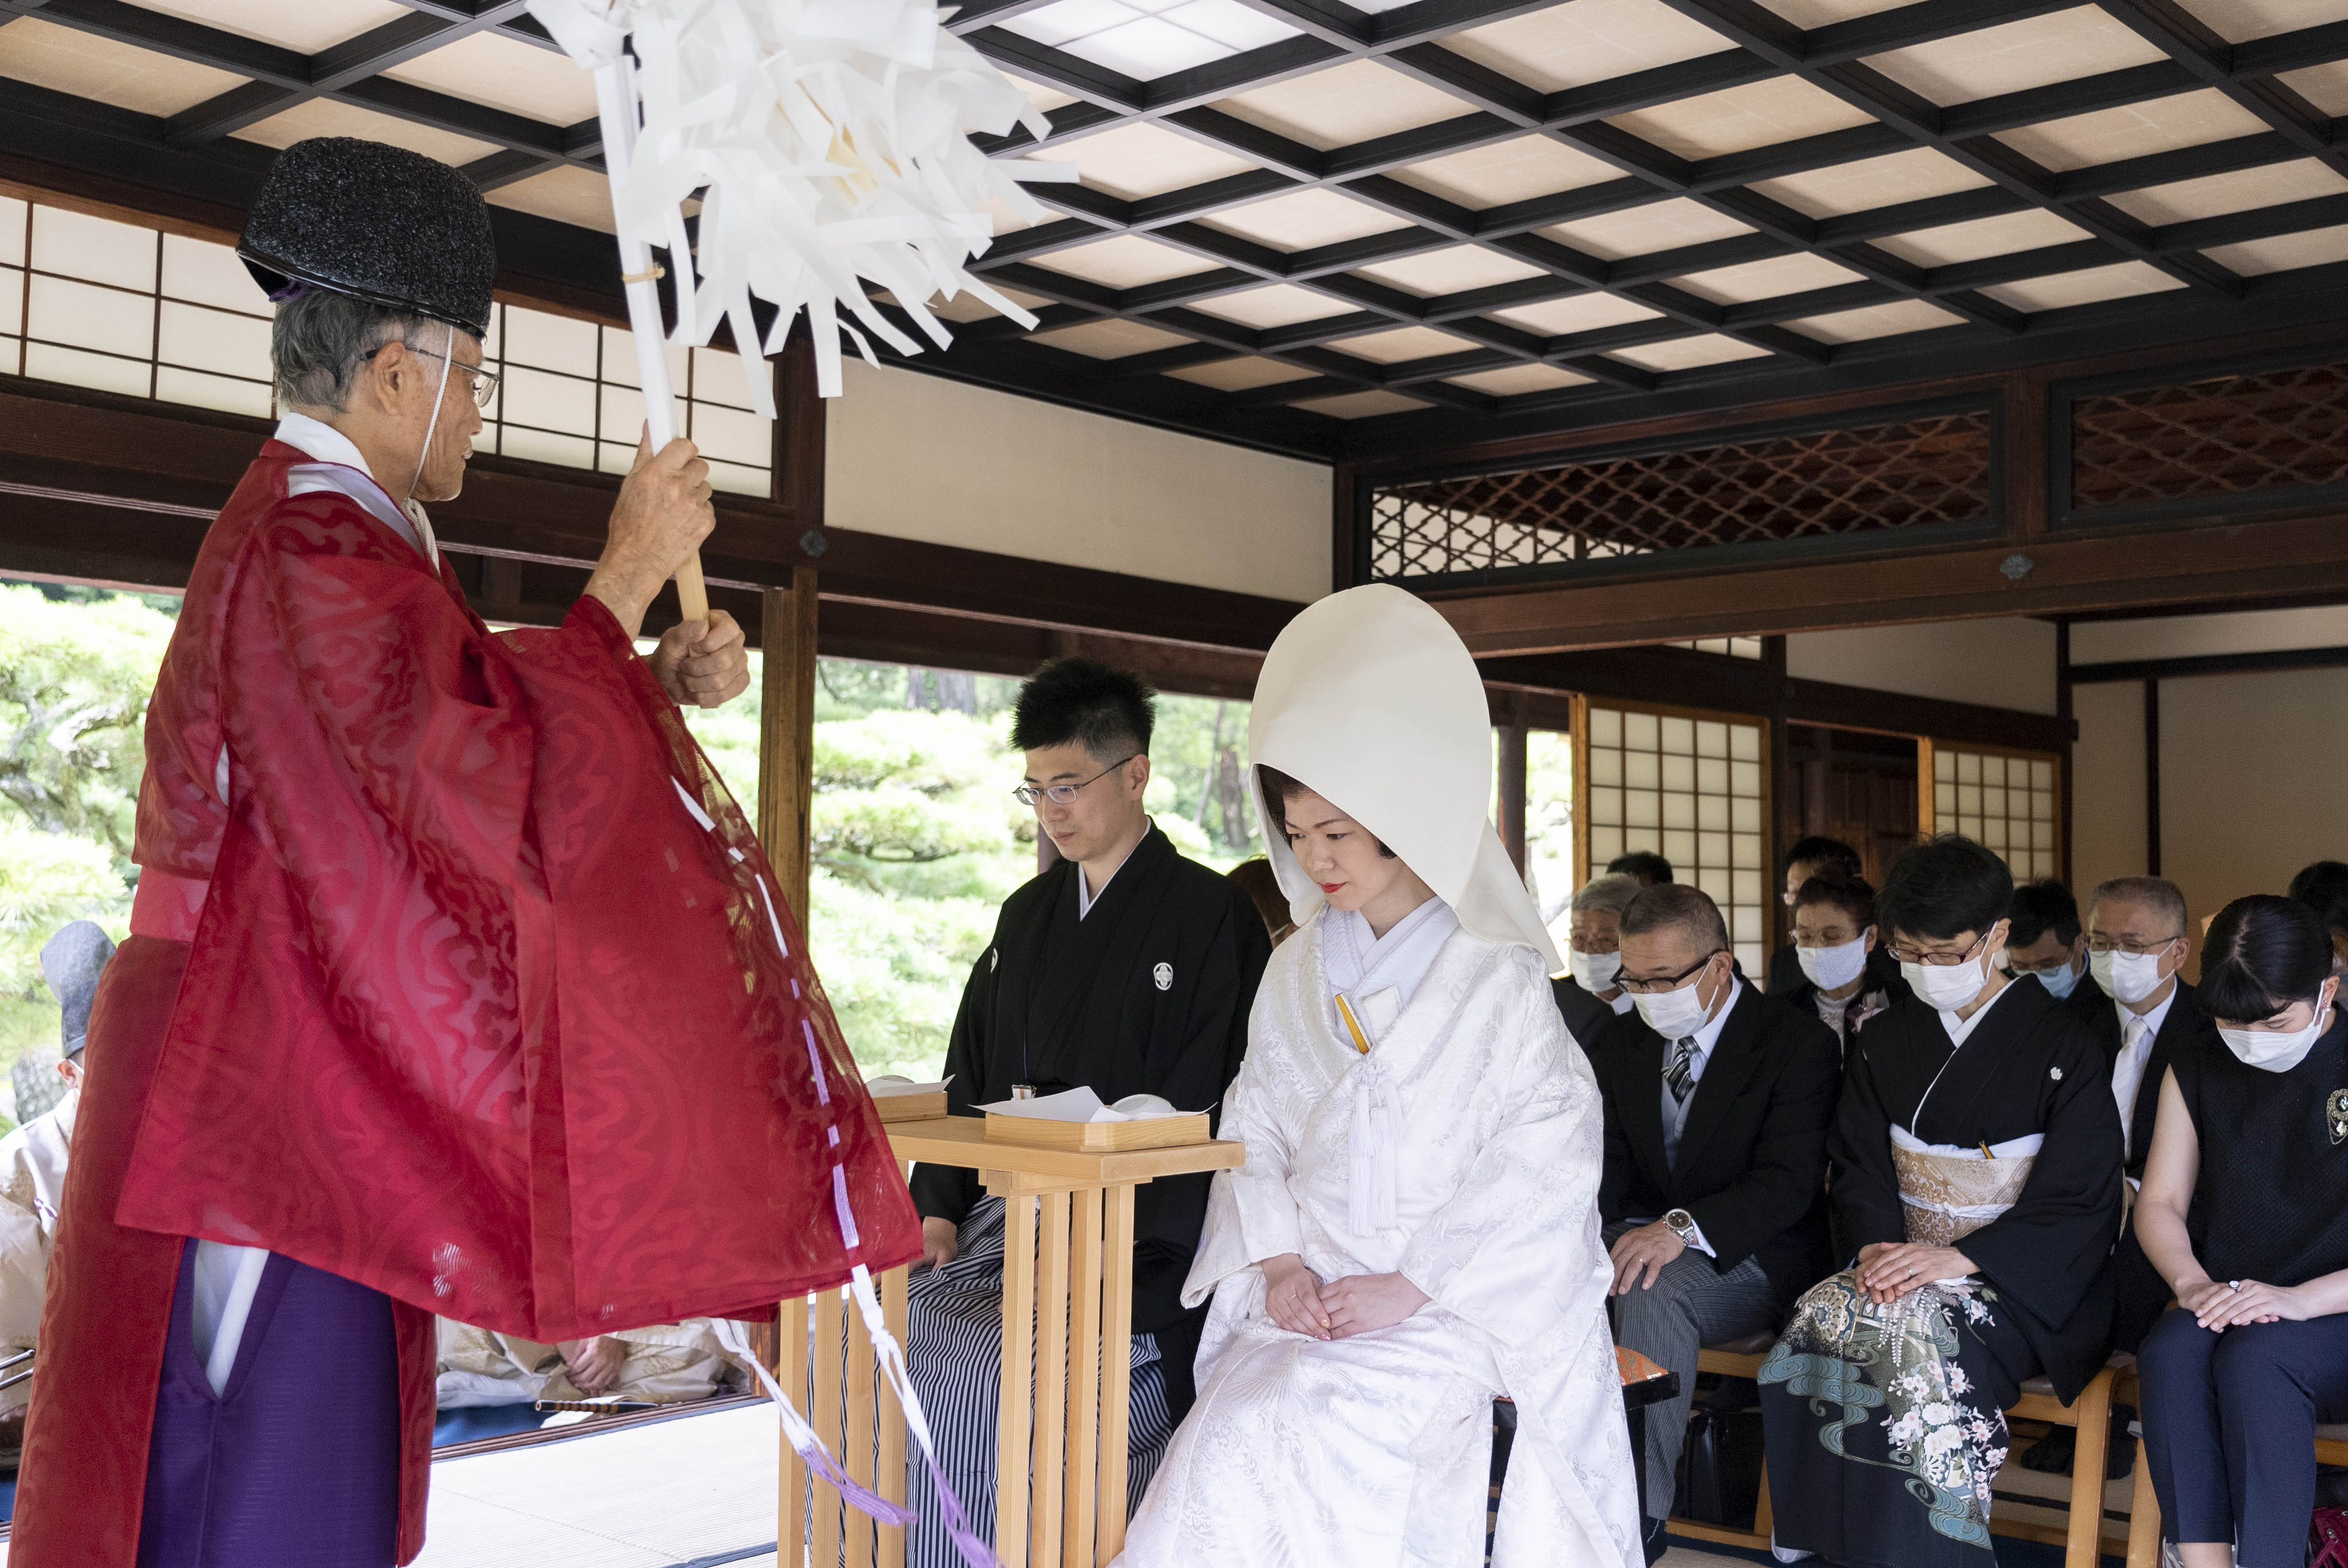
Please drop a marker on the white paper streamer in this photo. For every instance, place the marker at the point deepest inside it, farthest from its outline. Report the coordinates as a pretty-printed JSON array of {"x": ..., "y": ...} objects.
[{"x": 827, "y": 143}]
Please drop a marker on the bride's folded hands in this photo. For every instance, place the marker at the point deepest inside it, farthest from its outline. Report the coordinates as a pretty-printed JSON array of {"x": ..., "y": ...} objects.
[
  {"x": 1293, "y": 1296},
  {"x": 1360, "y": 1303}
]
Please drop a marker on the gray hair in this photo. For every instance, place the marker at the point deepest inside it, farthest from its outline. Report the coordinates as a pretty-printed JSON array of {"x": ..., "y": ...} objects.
[
  {"x": 1666, "y": 905},
  {"x": 320, "y": 339},
  {"x": 2157, "y": 893},
  {"x": 1610, "y": 893}
]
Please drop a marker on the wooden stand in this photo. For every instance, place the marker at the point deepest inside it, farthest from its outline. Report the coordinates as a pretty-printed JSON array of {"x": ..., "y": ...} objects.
[{"x": 1067, "y": 1317}]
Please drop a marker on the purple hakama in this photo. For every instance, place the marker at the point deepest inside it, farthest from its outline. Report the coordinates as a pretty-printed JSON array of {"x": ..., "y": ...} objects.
[{"x": 295, "y": 1462}]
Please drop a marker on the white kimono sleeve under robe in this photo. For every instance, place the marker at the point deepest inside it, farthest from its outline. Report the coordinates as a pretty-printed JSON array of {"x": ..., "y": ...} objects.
[{"x": 1376, "y": 1449}]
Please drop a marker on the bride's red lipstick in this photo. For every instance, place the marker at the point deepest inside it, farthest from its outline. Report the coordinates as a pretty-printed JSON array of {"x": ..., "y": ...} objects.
[{"x": 1331, "y": 887}]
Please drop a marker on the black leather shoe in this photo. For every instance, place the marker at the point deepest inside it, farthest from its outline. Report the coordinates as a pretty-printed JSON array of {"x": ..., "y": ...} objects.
[{"x": 1655, "y": 1543}]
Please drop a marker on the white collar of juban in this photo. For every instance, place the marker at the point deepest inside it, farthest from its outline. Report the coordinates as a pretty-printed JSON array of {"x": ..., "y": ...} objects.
[
  {"x": 1960, "y": 1030},
  {"x": 1085, "y": 897},
  {"x": 321, "y": 443},
  {"x": 1380, "y": 974}
]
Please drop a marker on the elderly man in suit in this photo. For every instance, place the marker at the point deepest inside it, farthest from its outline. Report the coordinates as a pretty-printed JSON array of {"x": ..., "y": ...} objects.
[
  {"x": 1590, "y": 994},
  {"x": 1717, "y": 1101}
]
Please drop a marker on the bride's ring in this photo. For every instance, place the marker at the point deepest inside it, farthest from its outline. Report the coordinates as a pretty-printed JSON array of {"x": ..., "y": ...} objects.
[{"x": 2233, "y": 1284}]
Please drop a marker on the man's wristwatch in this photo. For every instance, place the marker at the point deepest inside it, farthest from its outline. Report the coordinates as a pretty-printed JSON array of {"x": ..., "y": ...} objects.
[{"x": 1682, "y": 1225}]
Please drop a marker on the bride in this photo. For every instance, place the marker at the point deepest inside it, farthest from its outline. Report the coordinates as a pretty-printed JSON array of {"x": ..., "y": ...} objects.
[{"x": 1414, "y": 1231}]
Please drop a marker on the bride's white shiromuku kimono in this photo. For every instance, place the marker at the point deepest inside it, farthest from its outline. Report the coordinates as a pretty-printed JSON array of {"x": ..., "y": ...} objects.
[
  {"x": 1462, "y": 1151},
  {"x": 1377, "y": 1449}
]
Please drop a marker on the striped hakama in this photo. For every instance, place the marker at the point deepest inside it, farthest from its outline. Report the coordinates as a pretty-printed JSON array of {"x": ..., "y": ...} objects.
[{"x": 953, "y": 1350}]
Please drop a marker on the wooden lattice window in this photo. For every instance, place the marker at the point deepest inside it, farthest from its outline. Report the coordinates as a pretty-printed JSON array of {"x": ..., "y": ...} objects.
[
  {"x": 1932, "y": 469},
  {"x": 1692, "y": 788},
  {"x": 2226, "y": 436},
  {"x": 2009, "y": 802}
]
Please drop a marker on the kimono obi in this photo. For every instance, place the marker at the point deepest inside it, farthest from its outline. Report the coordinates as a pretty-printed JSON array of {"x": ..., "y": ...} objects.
[{"x": 1950, "y": 1192}]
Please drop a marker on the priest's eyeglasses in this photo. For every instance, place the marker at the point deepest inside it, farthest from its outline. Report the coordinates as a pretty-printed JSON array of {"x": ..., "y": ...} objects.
[
  {"x": 484, "y": 384},
  {"x": 1063, "y": 794},
  {"x": 1669, "y": 982}
]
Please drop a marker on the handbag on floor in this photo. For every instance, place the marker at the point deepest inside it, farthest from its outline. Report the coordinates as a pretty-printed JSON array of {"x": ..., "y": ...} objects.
[
  {"x": 2328, "y": 1538},
  {"x": 1720, "y": 1468}
]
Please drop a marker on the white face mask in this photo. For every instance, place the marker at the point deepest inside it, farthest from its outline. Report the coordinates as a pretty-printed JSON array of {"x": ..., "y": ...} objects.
[
  {"x": 1831, "y": 968},
  {"x": 1593, "y": 971},
  {"x": 1673, "y": 1014},
  {"x": 2270, "y": 1050},
  {"x": 2126, "y": 976},
  {"x": 1947, "y": 986}
]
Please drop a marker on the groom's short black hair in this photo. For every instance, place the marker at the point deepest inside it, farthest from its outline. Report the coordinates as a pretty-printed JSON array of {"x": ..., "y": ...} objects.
[
  {"x": 1942, "y": 887},
  {"x": 1109, "y": 711}
]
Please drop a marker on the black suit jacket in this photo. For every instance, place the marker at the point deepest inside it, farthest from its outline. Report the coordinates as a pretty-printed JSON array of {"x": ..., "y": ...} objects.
[
  {"x": 1752, "y": 1159},
  {"x": 2186, "y": 1029},
  {"x": 2140, "y": 1295},
  {"x": 1584, "y": 1014}
]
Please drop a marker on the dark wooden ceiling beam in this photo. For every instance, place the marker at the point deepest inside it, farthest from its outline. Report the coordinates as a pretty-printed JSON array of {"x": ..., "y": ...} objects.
[
  {"x": 2282, "y": 310},
  {"x": 163, "y": 469},
  {"x": 2213, "y": 562},
  {"x": 281, "y": 78},
  {"x": 1492, "y": 108},
  {"x": 1506, "y": 110},
  {"x": 2207, "y": 59}
]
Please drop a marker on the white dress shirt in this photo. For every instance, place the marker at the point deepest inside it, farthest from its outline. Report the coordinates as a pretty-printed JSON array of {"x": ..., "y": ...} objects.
[{"x": 1675, "y": 1112}]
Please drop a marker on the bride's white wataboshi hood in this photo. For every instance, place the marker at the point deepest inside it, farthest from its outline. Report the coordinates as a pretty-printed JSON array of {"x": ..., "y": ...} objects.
[{"x": 1370, "y": 699}]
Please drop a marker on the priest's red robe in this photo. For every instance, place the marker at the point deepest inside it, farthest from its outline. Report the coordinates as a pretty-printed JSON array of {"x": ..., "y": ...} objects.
[{"x": 456, "y": 972}]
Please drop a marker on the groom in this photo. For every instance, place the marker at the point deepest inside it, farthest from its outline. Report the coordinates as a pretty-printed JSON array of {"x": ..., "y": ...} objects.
[{"x": 1124, "y": 968}]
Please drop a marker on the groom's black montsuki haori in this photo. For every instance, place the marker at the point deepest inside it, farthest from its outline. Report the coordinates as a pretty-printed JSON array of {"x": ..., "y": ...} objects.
[{"x": 1147, "y": 993}]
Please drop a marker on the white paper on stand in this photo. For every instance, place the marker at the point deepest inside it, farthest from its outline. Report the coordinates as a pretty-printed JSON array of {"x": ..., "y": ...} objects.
[
  {"x": 881, "y": 1087},
  {"x": 1079, "y": 1105}
]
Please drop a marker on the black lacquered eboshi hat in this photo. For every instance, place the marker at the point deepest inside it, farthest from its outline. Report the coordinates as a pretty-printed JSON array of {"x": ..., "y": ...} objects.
[{"x": 381, "y": 224}]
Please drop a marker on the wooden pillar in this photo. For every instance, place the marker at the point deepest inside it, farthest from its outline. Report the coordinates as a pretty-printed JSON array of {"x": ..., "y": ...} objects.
[
  {"x": 2152, "y": 778},
  {"x": 787, "y": 733},
  {"x": 2065, "y": 710},
  {"x": 1511, "y": 762},
  {"x": 786, "y": 800},
  {"x": 1779, "y": 822}
]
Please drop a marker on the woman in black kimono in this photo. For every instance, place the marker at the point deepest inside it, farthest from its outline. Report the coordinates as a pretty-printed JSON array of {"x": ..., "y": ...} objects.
[
  {"x": 2253, "y": 1240},
  {"x": 1974, "y": 1173}
]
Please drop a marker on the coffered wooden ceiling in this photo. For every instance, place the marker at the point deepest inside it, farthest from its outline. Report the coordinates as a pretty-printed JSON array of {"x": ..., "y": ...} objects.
[{"x": 1336, "y": 228}]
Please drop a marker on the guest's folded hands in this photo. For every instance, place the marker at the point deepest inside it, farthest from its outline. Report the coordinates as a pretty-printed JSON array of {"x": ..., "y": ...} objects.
[{"x": 1890, "y": 1269}]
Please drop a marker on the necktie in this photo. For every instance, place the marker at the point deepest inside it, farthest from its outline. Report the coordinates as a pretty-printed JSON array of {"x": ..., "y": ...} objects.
[
  {"x": 1678, "y": 1077},
  {"x": 2127, "y": 1076}
]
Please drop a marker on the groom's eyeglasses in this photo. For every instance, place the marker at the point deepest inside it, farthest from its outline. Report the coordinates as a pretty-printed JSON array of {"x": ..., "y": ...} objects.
[{"x": 1063, "y": 794}]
